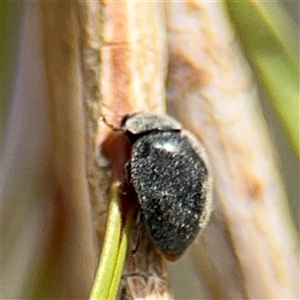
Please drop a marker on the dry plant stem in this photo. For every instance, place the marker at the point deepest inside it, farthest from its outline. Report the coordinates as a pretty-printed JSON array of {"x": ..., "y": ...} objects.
[
  {"x": 248, "y": 251},
  {"x": 123, "y": 69},
  {"x": 71, "y": 257}
]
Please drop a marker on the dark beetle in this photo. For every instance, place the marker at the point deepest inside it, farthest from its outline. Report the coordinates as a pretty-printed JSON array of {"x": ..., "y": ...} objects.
[{"x": 168, "y": 170}]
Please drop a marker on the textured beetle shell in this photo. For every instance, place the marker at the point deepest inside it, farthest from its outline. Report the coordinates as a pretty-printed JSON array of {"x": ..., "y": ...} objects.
[
  {"x": 139, "y": 123},
  {"x": 169, "y": 175}
]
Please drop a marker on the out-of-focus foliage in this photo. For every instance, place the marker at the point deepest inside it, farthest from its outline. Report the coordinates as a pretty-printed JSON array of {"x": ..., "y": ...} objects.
[
  {"x": 269, "y": 39},
  {"x": 9, "y": 27}
]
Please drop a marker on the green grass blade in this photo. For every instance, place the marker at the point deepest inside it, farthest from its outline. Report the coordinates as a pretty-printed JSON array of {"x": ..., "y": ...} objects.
[
  {"x": 110, "y": 251},
  {"x": 121, "y": 259},
  {"x": 269, "y": 39}
]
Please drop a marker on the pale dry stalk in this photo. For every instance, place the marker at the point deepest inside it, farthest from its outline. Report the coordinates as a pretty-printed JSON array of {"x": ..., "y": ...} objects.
[
  {"x": 249, "y": 249},
  {"x": 123, "y": 68},
  {"x": 71, "y": 257}
]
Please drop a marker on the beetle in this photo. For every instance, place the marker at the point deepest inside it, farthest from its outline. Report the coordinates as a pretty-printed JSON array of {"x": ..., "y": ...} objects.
[{"x": 168, "y": 169}]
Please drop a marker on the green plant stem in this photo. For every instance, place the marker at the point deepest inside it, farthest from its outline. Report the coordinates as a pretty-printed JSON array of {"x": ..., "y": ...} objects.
[
  {"x": 121, "y": 259},
  {"x": 110, "y": 251}
]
